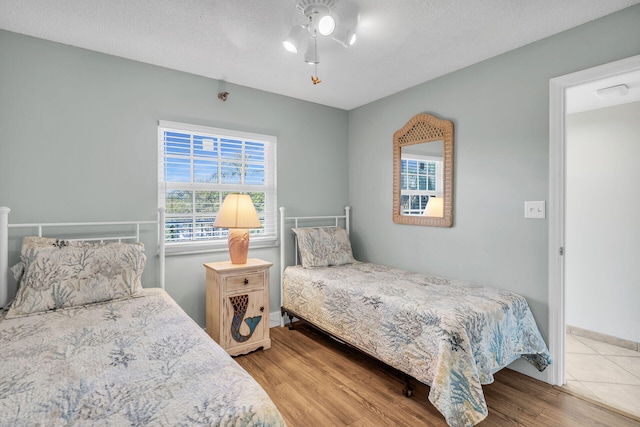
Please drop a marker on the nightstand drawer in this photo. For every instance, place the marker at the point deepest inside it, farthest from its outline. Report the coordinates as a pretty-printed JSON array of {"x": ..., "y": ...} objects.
[{"x": 245, "y": 281}]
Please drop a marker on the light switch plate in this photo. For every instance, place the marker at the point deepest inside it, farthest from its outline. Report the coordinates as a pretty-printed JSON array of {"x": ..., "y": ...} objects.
[{"x": 534, "y": 210}]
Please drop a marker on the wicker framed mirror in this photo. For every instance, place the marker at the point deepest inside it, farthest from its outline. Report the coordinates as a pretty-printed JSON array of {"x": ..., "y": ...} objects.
[{"x": 423, "y": 172}]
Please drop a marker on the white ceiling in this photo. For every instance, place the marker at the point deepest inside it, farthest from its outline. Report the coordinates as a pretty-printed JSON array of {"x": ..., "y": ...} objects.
[
  {"x": 401, "y": 43},
  {"x": 584, "y": 97}
]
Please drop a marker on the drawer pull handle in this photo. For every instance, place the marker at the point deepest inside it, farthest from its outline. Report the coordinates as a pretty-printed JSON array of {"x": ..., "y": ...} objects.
[
  {"x": 246, "y": 281},
  {"x": 262, "y": 309}
]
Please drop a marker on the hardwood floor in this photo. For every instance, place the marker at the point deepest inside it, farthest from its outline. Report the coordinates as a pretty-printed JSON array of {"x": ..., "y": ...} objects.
[{"x": 315, "y": 381}]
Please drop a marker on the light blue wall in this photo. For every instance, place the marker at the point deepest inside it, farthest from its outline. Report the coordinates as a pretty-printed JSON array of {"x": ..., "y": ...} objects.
[
  {"x": 500, "y": 110},
  {"x": 78, "y": 142}
]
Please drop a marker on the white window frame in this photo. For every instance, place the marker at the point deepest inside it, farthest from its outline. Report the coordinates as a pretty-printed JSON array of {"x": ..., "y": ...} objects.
[
  {"x": 438, "y": 192},
  {"x": 219, "y": 243}
]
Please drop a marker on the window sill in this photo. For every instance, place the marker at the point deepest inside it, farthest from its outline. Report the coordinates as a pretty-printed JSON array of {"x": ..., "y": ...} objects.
[{"x": 203, "y": 248}]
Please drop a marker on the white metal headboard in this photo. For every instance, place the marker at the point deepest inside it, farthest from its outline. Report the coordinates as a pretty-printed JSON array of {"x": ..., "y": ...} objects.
[
  {"x": 4, "y": 241},
  {"x": 306, "y": 220}
]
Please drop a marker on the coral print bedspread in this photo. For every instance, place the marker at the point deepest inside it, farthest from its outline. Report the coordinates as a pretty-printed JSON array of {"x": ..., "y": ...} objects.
[
  {"x": 448, "y": 334},
  {"x": 140, "y": 361}
]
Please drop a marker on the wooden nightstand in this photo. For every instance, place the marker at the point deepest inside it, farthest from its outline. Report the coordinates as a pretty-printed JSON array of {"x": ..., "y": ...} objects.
[{"x": 238, "y": 305}]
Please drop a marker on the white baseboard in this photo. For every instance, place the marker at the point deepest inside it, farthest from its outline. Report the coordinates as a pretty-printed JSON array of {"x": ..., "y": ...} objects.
[{"x": 274, "y": 319}]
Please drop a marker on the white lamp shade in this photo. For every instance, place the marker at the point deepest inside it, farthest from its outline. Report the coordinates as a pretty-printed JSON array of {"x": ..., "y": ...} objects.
[
  {"x": 237, "y": 211},
  {"x": 435, "y": 207}
]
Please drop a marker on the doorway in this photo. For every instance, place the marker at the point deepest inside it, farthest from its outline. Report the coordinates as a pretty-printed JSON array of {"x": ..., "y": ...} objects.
[{"x": 559, "y": 87}]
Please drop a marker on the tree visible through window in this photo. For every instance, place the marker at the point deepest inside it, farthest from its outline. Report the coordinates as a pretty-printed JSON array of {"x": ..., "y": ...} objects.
[{"x": 199, "y": 167}]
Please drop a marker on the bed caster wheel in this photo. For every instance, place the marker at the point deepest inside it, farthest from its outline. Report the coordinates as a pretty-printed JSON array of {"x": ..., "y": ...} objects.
[{"x": 407, "y": 392}]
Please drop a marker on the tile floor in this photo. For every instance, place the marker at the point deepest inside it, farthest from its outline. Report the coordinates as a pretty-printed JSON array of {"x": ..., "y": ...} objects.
[{"x": 604, "y": 372}]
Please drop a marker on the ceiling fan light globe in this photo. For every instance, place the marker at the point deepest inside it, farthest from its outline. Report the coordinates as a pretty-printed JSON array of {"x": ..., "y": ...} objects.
[
  {"x": 294, "y": 39},
  {"x": 290, "y": 46},
  {"x": 345, "y": 37},
  {"x": 326, "y": 25}
]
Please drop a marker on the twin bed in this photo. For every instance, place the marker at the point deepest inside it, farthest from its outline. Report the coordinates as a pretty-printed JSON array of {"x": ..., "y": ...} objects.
[
  {"x": 84, "y": 344},
  {"x": 446, "y": 333}
]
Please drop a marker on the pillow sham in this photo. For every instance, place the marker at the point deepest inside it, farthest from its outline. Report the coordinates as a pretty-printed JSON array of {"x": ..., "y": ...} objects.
[
  {"x": 61, "y": 274},
  {"x": 323, "y": 246},
  {"x": 17, "y": 271}
]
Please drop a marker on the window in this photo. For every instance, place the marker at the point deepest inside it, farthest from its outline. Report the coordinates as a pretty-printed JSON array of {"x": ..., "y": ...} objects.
[
  {"x": 420, "y": 178},
  {"x": 198, "y": 167}
]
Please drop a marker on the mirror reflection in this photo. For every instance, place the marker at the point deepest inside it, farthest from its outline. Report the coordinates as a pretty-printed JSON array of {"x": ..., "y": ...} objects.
[
  {"x": 423, "y": 172},
  {"x": 421, "y": 179}
]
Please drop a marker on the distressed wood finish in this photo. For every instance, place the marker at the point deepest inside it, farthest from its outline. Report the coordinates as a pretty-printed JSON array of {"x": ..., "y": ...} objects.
[
  {"x": 225, "y": 283},
  {"x": 315, "y": 381}
]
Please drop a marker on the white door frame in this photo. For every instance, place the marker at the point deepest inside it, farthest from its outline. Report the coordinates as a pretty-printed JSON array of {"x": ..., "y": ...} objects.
[{"x": 557, "y": 176}]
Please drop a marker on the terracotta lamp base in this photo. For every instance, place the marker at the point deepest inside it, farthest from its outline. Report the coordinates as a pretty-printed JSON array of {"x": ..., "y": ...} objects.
[{"x": 238, "y": 245}]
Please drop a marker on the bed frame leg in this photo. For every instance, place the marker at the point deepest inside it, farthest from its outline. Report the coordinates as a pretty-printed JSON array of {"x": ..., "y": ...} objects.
[
  {"x": 282, "y": 313},
  {"x": 290, "y": 321},
  {"x": 407, "y": 391}
]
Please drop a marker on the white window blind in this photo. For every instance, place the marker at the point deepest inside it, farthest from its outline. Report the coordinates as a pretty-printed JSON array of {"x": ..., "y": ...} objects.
[{"x": 198, "y": 167}]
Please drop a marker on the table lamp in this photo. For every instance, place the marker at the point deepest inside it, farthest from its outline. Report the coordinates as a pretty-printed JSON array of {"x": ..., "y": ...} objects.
[
  {"x": 435, "y": 207},
  {"x": 238, "y": 215}
]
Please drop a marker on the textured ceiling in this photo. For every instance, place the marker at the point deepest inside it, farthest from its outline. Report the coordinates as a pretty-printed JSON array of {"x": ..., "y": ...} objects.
[{"x": 401, "y": 43}]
